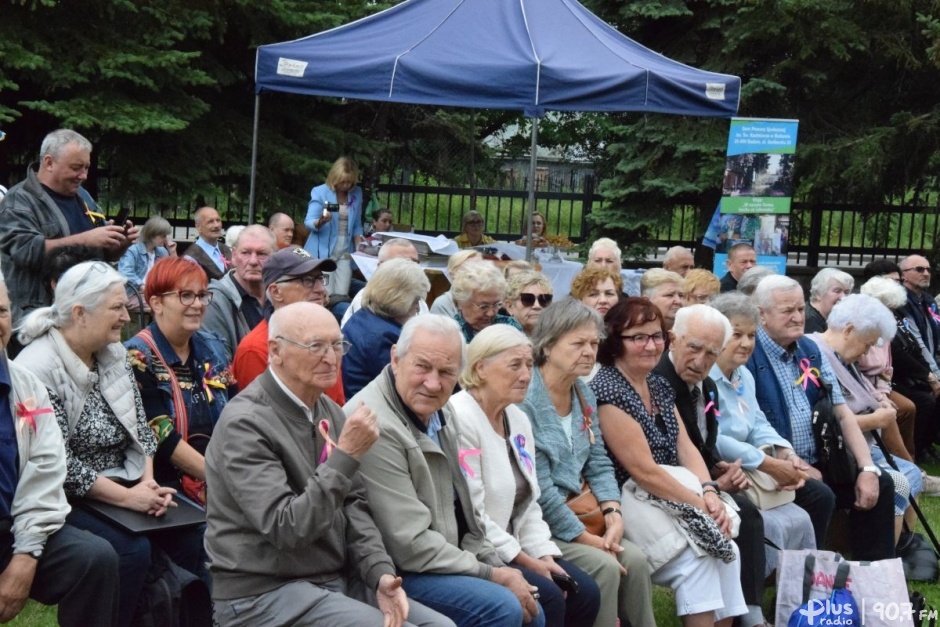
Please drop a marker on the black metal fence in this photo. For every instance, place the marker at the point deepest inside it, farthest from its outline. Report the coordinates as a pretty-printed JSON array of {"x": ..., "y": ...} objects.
[{"x": 819, "y": 235}]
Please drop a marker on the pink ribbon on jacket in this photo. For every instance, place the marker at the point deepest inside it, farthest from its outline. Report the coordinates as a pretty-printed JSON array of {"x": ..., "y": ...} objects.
[
  {"x": 462, "y": 455},
  {"x": 328, "y": 443},
  {"x": 27, "y": 412},
  {"x": 711, "y": 405},
  {"x": 524, "y": 455},
  {"x": 809, "y": 374}
]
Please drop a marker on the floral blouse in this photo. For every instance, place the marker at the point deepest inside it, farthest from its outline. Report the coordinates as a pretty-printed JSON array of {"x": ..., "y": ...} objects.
[{"x": 98, "y": 441}]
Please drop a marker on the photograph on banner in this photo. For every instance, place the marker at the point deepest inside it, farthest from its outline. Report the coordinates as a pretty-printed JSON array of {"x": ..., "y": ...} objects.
[{"x": 756, "y": 192}]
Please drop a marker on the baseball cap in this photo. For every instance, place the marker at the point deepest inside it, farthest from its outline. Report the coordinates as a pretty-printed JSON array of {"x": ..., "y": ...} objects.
[{"x": 293, "y": 261}]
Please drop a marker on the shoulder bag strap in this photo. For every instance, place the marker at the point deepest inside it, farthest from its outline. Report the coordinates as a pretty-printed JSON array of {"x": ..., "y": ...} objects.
[
  {"x": 809, "y": 565},
  {"x": 180, "y": 418}
]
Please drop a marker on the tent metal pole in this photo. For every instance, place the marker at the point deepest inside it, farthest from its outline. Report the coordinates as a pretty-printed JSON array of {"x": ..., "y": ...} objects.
[
  {"x": 532, "y": 162},
  {"x": 254, "y": 160}
]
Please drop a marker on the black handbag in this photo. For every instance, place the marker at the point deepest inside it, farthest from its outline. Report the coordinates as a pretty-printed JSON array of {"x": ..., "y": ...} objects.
[{"x": 835, "y": 461}]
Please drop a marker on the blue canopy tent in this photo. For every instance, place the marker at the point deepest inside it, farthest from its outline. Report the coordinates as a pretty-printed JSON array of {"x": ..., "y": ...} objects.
[{"x": 527, "y": 55}]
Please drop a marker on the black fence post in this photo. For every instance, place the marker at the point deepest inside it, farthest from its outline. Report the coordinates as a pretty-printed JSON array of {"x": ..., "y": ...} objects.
[
  {"x": 587, "y": 202},
  {"x": 815, "y": 235}
]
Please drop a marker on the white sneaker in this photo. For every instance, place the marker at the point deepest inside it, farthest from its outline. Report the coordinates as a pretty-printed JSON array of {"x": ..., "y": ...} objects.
[{"x": 931, "y": 485}]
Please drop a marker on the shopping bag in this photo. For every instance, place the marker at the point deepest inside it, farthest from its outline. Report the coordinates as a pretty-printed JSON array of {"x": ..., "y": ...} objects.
[{"x": 878, "y": 588}]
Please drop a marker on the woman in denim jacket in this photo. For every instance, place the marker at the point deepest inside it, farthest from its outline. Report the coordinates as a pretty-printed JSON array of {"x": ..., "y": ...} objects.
[{"x": 182, "y": 372}]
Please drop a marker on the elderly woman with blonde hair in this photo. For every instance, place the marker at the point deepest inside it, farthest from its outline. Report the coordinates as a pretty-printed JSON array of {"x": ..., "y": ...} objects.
[
  {"x": 502, "y": 478},
  {"x": 700, "y": 286},
  {"x": 390, "y": 298},
  {"x": 529, "y": 293},
  {"x": 472, "y": 226},
  {"x": 829, "y": 286},
  {"x": 479, "y": 290},
  {"x": 444, "y": 304}
]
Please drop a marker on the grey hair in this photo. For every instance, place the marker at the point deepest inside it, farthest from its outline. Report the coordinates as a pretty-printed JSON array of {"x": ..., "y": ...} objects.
[
  {"x": 702, "y": 313},
  {"x": 865, "y": 313},
  {"x": 822, "y": 279},
  {"x": 484, "y": 277},
  {"x": 488, "y": 343},
  {"x": 604, "y": 242},
  {"x": 394, "y": 288},
  {"x": 55, "y": 142},
  {"x": 764, "y": 294},
  {"x": 153, "y": 228},
  {"x": 85, "y": 284},
  {"x": 891, "y": 294},
  {"x": 734, "y": 305},
  {"x": 524, "y": 279},
  {"x": 396, "y": 242},
  {"x": 257, "y": 230},
  {"x": 432, "y": 323},
  {"x": 559, "y": 319},
  {"x": 751, "y": 277},
  {"x": 675, "y": 252},
  {"x": 232, "y": 233},
  {"x": 456, "y": 261}
]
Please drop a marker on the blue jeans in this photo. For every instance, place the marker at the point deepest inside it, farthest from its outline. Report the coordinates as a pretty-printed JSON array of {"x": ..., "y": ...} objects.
[
  {"x": 468, "y": 601},
  {"x": 578, "y": 609}
]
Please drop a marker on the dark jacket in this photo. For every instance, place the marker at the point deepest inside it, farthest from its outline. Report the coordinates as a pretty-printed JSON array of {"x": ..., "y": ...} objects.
[
  {"x": 686, "y": 408},
  {"x": 916, "y": 309},
  {"x": 198, "y": 255},
  {"x": 372, "y": 338},
  {"x": 728, "y": 283},
  {"x": 815, "y": 322}
]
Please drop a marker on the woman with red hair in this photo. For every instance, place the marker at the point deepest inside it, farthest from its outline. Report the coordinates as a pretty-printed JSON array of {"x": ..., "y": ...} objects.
[{"x": 183, "y": 374}]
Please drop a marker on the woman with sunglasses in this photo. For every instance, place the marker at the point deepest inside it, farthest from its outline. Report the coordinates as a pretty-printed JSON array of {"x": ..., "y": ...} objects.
[
  {"x": 74, "y": 347},
  {"x": 529, "y": 293},
  {"x": 471, "y": 231},
  {"x": 183, "y": 374}
]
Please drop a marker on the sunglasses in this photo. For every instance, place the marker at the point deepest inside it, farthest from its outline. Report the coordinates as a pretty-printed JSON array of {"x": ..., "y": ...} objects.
[
  {"x": 917, "y": 269},
  {"x": 528, "y": 300}
]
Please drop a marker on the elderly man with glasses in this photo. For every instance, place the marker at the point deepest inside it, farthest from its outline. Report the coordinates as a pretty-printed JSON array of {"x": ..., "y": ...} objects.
[
  {"x": 290, "y": 276},
  {"x": 290, "y": 535},
  {"x": 921, "y": 307}
]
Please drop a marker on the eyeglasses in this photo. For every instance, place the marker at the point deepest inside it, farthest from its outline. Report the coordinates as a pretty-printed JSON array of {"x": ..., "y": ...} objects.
[
  {"x": 918, "y": 269},
  {"x": 474, "y": 222},
  {"x": 95, "y": 266},
  {"x": 485, "y": 307},
  {"x": 308, "y": 281},
  {"x": 320, "y": 349},
  {"x": 642, "y": 339},
  {"x": 188, "y": 297},
  {"x": 528, "y": 300}
]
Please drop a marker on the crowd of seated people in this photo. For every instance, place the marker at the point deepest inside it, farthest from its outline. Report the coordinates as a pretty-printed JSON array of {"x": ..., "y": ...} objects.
[{"x": 427, "y": 468}]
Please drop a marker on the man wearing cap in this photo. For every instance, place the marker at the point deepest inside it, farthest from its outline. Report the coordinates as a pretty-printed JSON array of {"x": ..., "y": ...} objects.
[{"x": 290, "y": 276}]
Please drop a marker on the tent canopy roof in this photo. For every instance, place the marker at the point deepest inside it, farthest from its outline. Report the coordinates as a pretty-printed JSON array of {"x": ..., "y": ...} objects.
[{"x": 525, "y": 55}]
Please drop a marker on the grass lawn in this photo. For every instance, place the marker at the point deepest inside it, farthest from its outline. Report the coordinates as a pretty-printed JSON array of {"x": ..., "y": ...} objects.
[{"x": 36, "y": 615}]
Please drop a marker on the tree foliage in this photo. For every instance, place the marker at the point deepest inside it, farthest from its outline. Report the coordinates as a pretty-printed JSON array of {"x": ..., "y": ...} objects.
[{"x": 860, "y": 76}]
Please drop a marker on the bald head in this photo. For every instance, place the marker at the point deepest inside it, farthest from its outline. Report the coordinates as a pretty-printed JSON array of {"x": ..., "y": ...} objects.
[
  {"x": 398, "y": 248},
  {"x": 678, "y": 260},
  {"x": 301, "y": 341},
  {"x": 282, "y": 226},
  {"x": 915, "y": 273}
]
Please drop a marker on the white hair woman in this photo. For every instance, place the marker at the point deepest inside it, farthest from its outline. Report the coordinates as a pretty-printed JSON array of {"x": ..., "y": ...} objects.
[
  {"x": 503, "y": 480},
  {"x": 529, "y": 293},
  {"x": 444, "y": 304},
  {"x": 74, "y": 347},
  {"x": 856, "y": 324},
  {"x": 570, "y": 452},
  {"x": 829, "y": 286},
  {"x": 390, "y": 298},
  {"x": 604, "y": 253},
  {"x": 479, "y": 290}
]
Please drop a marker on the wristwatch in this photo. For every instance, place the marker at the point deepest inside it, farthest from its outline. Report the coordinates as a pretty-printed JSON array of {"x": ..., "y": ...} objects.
[
  {"x": 872, "y": 469},
  {"x": 37, "y": 554}
]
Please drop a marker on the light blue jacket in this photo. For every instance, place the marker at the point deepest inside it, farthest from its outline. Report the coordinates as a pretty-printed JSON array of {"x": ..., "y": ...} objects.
[
  {"x": 561, "y": 466},
  {"x": 133, "y": 263},
  {"x": 322, "y": 240}
]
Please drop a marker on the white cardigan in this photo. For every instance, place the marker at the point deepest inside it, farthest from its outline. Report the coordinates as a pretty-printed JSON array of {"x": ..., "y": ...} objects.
[{"x": 492, "y": 484}]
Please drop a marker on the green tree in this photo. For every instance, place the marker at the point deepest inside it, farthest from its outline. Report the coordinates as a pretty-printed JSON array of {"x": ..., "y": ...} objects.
[{"x": 861, "y": 77}]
